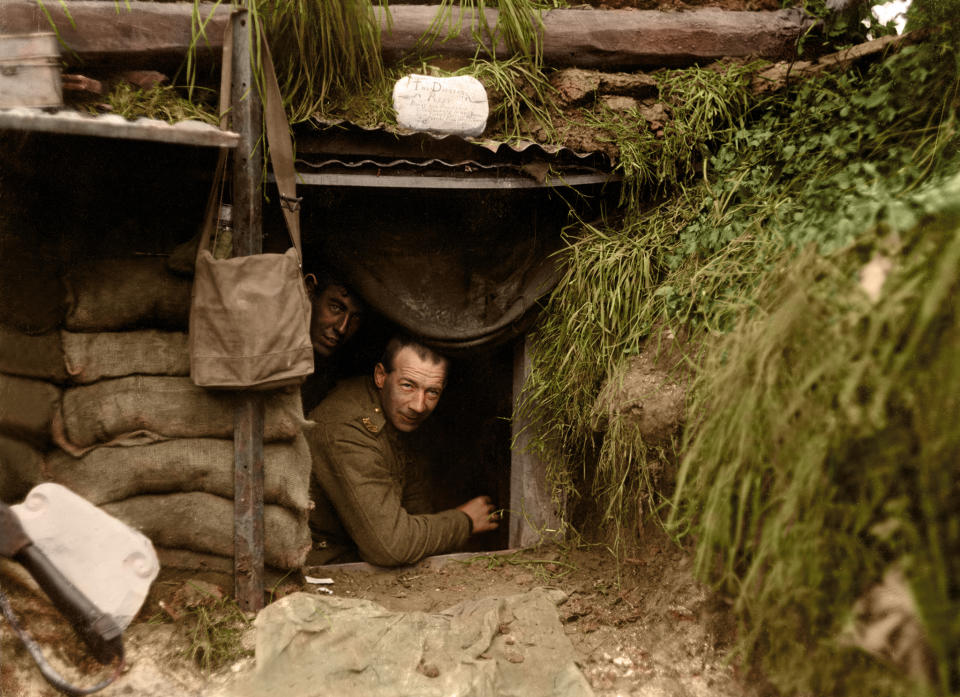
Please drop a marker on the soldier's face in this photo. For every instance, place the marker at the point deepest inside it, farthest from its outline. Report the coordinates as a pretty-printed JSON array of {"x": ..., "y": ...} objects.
[
  {"x": 409, "y": 393},
  {"x": 335, "y": 317}
]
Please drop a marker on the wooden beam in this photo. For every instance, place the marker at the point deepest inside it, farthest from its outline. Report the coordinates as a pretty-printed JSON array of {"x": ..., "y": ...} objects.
[
  {"x": 618, "y": 39},
  {"x": 779, "y": 75},
  {"x": 149, "y": 34},
  {"x": 533, "y": 514},
  {"x": 247, "y": 115}
]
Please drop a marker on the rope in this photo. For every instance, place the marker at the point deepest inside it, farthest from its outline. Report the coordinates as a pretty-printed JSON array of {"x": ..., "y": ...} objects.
[{"x": 49, "y": 674}]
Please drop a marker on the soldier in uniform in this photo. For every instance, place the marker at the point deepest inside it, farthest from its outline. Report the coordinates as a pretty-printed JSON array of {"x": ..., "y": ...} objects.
[
  {"x": 335, "y": 316},
  {"x": 375, "y": 504}
]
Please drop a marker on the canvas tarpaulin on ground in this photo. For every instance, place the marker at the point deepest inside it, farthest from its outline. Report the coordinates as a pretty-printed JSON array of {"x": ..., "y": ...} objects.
[{"x": 489, "y": 647}]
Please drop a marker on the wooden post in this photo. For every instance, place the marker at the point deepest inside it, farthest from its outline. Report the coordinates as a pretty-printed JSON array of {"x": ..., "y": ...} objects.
[
  {"x": 247, "y": 118},
  {"x": 532, "y": 511}
]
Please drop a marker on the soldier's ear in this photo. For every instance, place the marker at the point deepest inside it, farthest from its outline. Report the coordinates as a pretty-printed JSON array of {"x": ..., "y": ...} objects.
[
  {"x": 311, "y": 283},
  {"x": 379, "y": 375}
]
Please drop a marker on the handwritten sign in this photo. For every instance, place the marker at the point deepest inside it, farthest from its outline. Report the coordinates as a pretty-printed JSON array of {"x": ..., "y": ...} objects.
[{"x": 456, "y": 105}]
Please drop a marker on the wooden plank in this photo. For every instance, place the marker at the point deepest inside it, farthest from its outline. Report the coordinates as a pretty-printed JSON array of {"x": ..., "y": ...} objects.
[
  {"x": 435, "y": 562},
  {"x": 248, "y": 504},
  {"x": 247, "y": 239},
  {"x": 533, "y": 514},
  {"x": 472, "y": 182},
  {"x": 135, "y": 34},
  {"x": 149, "y": 34}
]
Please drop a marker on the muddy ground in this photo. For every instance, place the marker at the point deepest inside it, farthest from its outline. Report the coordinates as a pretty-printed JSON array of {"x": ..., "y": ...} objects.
[{"x": 642, "y": 628}]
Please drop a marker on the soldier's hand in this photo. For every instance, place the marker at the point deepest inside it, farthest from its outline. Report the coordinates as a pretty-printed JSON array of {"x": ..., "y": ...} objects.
[{"x": 482, "y": 512}]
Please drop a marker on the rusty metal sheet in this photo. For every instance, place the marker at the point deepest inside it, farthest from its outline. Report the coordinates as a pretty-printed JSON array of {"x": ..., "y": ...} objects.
[
  {"x": 339, "y": 139},
  {"x": 113, "y": 126}
]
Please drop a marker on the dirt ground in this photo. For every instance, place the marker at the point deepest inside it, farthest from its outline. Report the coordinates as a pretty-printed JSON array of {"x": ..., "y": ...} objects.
[
  {"x": 750, "y": 5},
  {"x": 644, "y": 628}
]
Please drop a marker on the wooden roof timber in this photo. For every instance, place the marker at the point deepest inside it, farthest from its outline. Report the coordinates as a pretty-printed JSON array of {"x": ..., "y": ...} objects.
[{"x": 149, "y": 34}]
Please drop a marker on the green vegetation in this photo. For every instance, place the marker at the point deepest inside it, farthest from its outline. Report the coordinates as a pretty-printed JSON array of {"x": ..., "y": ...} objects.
[
  {"x": 322, "y": 50},
  {"x": 818, "y": 451},
  {"x": 704, "y": 105},
  {"x": 163, "y": 102},
  {"x": 826, "y": 450},
  {"x": 213, "y": 625},
  {"x": 518, "y": 25},
  {"x": 820, "y": 447}
]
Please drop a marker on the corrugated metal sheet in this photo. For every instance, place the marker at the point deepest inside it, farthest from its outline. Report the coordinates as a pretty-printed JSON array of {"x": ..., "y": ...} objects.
[
  {"x": 113, "y": 126},
  {"x": 339, "y": 153},
  {"x": 389, "y": 146}
]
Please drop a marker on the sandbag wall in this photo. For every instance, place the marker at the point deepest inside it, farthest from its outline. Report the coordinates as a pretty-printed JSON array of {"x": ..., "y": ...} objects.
[
  {"x": 32, "y": 370},
  {"x": 114, "y": 416}
]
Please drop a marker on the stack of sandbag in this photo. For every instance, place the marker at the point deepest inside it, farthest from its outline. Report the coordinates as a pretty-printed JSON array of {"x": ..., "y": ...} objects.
[
  {"x": 30, "y": 367},
  {"x": 31, "y": 362},
  {"x": 136, "y": 437}
]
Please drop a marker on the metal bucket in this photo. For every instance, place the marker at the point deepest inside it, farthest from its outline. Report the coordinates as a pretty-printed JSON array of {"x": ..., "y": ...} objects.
[{"x": 30, "y": 71}]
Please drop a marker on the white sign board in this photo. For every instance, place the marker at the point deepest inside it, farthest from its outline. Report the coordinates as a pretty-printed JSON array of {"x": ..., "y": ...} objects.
[{"x": 456, "y": 105}]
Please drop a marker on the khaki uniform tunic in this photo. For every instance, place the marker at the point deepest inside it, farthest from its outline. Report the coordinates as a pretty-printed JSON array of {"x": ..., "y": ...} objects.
[{"x": 370, "y": 490}]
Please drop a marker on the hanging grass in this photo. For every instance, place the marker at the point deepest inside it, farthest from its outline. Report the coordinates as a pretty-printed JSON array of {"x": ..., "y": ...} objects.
[
  {"x": 163, "y": 102},
  {"x": 518, "y": 23},
  {"x": 818, "y": 164},
  {"x": 825, "y": 451},
  {"x": 705, "y": 105},
  {"x": 328, "y": 62},
  {"x": 518, "y": 92},
  {"x": 322, "y": 50}
]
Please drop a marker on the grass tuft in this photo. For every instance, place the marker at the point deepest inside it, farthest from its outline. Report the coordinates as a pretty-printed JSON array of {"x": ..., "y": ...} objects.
[{"x": 163, "y": 102}]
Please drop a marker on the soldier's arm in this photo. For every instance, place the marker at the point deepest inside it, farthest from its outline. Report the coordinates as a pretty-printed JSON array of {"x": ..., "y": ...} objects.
[
  {"x": 369, "y": 500},
  {"x": 416, "y": 493}
]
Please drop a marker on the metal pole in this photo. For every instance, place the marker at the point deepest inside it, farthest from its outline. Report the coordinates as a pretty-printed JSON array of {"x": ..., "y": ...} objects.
[{"x": 247, "y": 239}]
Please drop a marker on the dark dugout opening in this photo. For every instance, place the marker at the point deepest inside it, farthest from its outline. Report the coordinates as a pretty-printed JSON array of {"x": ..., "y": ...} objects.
[{"x": 463, "y": 268}]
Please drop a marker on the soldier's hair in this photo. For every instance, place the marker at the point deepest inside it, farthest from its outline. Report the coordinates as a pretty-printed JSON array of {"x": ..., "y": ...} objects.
[
  {"x": 398, "y": 342},
  {"x": 326, "y": 278}
]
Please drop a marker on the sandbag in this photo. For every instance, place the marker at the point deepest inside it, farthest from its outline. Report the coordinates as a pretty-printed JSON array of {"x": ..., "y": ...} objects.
[
  {"x": 32, "y": 292},
  {"x": 142, "y": 409},
  {"x": 32, "y": 356},
  {"x": 113, "y": 294},
  {"x": 27, "y": 408},
  {"x": 212, "y": 566},
  {"x": 204, "y": 523},
  {"x": 93, "y": 356},
  {"x": 21, "y": 467},
  {"x": 110, "y": 474}
]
